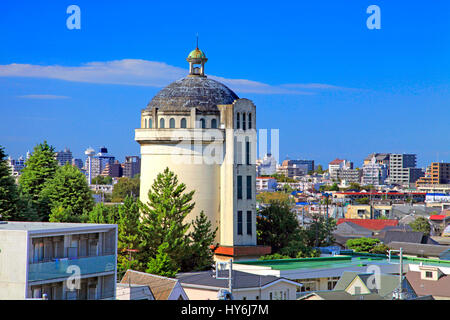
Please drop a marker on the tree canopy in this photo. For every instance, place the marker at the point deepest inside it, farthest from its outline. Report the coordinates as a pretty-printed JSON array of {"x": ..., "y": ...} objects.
[{"x": 39, "y": 169}]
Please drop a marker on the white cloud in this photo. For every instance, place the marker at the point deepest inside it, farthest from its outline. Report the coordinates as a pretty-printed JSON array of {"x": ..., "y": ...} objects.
[
  {"x": 136, "y": 72},
  {"x": 43, "y": 96}
]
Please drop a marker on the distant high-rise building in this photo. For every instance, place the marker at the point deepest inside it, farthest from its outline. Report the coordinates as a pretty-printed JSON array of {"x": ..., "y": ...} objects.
[
  {"x": 266, "y": 166},
  {"x": 131, "y": 166},
  {"x": 16, "y": 166},
  {"x": 293, "y": 168},
  {"x": 375, "y": 169},
  {"x": 437, "y": 173},
  {"x": 64, "y": 157},
  {"x": 113, "y": 170},
  {"x": 336, "y": 165},
  {"x": 77, "y": 163},
  {"x": 402, "y": 169},
  {"x": 99, "y": 161}
]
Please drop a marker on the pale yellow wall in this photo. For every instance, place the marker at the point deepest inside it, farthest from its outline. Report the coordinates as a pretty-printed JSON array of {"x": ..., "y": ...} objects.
[
  {"x": 357, "y": 282},
  {"x": 199, "y": 177},
  {"x": 200, "y": 294},
  {"x": 13, "y": 264}
]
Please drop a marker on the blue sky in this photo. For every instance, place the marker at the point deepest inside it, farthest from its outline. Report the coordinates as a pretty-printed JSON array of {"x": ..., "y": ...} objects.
[{"x": 315, "y": 71}]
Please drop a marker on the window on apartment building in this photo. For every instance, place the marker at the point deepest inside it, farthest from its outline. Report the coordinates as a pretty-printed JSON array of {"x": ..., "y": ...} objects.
[
  {"x": 214, "y": 123},
  {"x": 247, "y": 152},
  {"x": 172, "y": 123},
  {"x": 183, "y": 123},
  {"x": 249, "y": 187},
  {"x": 202, "y": 123},
  {"x": 428, "y": 274},
  {"x": 239, "y": 222},
  {"x": 249, "y": 222},
  {"x": 161, "y": 123},
  {"x": 239, "y": 187}
]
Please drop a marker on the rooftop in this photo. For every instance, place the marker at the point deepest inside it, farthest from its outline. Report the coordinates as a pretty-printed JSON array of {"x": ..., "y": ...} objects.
[
  {"x": 350, "y": 259},
  {"x": 43, "y": 226}
]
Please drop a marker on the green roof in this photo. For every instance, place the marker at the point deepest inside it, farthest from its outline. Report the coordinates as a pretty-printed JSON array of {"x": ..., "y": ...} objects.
[
  {"x": 354, "y": 259},
  {"x": 197, "y": 54}
]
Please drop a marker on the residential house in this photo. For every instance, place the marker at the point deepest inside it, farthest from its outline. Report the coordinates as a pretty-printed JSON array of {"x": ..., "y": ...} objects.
[
  {"x": 365, "y": 286},
  {"x": 162, "y": 288},
  {"x": 134, "y": 292},
  {"x": 420, "y": 250},
  {"x": 245, "y": 286},
  {"x": 430, "y": 280}
]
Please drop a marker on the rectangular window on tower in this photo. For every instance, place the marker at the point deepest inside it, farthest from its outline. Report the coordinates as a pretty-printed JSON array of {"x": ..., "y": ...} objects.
[
  {"x": 249, "y": 222},
  {"x": 239, "y": 222},
  {"x": 239, "y": 187},
  {"x": 247, "y": 152},
  {"x": 249, "y": 187}
]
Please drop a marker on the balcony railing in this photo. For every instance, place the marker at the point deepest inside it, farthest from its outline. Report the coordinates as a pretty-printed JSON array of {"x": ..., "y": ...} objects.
[{"x": 60, "y": 267}]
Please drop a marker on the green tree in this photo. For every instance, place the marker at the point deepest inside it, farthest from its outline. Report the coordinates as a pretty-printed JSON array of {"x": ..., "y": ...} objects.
[
  {"x": 162, "y": 264},
  {"x": 129, "y": 236},
  {"x": 319, "y": 232},
  {"x": 200, "y": 256},
  {"x": 163, "y": 216},
  {"x": 103, "y": 214},
  {"x": 362, "y": 244},
  {"x": 421, "y": 224},
  {"x": 126, "y": 187},
  {"x": 40, "y": 168},
  {"x": 60, "y": 213},
  {"x": 380, "y": 248},
  {"x": 319, "y": 169},
  {"x": 9, "y": 194},
  {"x": 69, "y": 189},
  {"x": 277, "y": 226},
  {"x": 102, "y": 180},
  {"x": 267, "y": 197}
]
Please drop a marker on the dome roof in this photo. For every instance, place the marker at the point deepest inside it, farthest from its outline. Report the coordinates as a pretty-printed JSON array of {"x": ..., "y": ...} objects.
[
  {"x": 193, "y": 91},
  {"x": 197, "y": 54}
]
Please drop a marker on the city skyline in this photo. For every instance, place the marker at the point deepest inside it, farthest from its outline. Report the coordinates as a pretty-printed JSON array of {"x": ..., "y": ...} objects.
[{"x": 333, "y": 88}]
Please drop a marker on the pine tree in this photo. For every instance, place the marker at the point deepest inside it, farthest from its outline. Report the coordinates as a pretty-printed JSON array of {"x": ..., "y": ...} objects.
[
  {"x": 199, "y": 257},
  {"x": 69, "y": 189},
  {"x": 9, "y": 195},
  {"x": 39, "y": 169},
  {"x": 129, "y": 236},
  {"x": 163, "y": 217},
  {"x": 162, "y": 264}
]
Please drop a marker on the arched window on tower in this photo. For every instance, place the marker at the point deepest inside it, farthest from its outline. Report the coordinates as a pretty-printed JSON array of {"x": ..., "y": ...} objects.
[
  {"x": 145, "y": 123},
  {"x": 238, "y": 120},
  {"x": 172, "y": 123},
  {"x": 202, "y": 123},
  {"x": 183, "y": 123},
  {"x": 243, "y": 121},
  {"x": 249, "y": 120},
  {"x": 150, "y": 123},
  {"x": 214, "y": 123},
  {"x": 161, "y": 123}
]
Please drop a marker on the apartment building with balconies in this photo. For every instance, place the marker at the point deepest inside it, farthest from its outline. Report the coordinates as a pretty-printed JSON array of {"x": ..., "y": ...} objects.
[{"x": 57, "y": 261}]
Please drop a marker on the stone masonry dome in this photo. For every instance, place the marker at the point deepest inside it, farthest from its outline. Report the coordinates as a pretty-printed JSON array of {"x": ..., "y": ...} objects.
[{"x": 193, "y": 91}]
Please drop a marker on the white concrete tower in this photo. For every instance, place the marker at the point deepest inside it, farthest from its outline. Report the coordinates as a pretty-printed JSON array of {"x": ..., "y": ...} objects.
[{"x": 206, "y": 134}]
